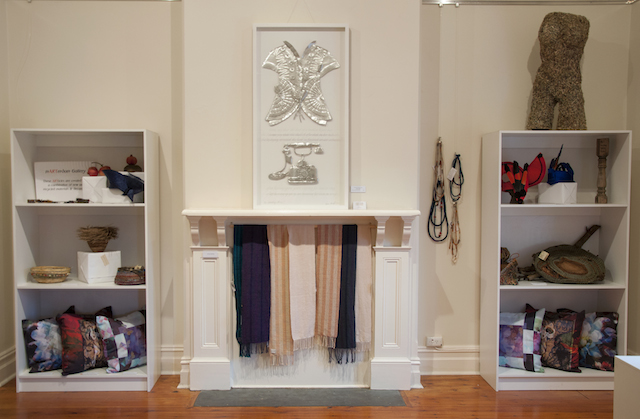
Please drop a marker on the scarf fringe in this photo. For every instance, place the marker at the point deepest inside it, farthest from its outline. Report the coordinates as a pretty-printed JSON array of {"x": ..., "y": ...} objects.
[
  {"x": 326, "y": 341},
  {"x": 363, "y": 346},
  {"x": 246, "y": 350},
  {"x": 281, "y": 360},
  {"x": 306, "y": 343},
  {"x": 342, "y": 355}
]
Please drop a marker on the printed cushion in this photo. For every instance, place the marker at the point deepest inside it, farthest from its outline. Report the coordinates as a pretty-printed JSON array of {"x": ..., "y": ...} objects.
[
  {"x": 82, "y": 347},
  {"x": 43, "y": 343},
  {"x": 598, "y": 340},
  {"x": 124, "y": 338},
  {"x": 520, "y": 340},
  {"x": 561, "y": 333}
]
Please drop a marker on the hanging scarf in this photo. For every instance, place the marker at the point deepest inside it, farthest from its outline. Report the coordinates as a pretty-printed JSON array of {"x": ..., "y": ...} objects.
[
  {"x": 280, "y": 340},
  {"x": 328, "y": 264},
  {"x": 346, "y": 340},
  {"x": 302, "y": 284},
  {"x": 256, "y": 290},
  {"x": 364, "y": 285},
  {"x": 237, "y": 278}
]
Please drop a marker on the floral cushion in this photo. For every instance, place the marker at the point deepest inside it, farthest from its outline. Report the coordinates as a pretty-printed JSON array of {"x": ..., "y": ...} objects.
[
  {"x": 82, "y": 347},
  {"x": 125, "y": 345},
  {"x": 598, "y": 340},
  {"x": 520, "y": 340},
  {"x": 43, "y": 343}
]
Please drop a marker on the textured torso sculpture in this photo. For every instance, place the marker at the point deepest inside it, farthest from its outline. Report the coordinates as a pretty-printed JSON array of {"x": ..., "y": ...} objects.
[{"x": 562, "y": 39}]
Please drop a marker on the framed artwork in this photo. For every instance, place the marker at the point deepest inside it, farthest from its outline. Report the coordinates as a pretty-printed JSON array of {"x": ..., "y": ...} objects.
[{"x": 301, "y": 116}]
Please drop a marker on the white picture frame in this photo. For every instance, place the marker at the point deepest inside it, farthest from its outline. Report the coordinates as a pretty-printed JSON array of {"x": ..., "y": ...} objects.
[{"x": 295, "y": 133}]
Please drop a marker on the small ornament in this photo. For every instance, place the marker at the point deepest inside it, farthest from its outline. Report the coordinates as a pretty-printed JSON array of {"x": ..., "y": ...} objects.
[
  {"x": 131, "y": 165},
  {"x": 94, "y": 171}
]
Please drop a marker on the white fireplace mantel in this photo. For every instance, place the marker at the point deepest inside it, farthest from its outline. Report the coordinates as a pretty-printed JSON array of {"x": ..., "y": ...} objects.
[{"x": 210, "y": 326}]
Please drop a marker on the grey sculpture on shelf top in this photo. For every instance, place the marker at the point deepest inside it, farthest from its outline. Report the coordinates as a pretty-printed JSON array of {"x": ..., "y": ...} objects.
[{"x": 562, "y": 39}]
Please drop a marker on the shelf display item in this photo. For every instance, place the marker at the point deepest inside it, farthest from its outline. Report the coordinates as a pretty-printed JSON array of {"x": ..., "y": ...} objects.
[
  {"x": 130, "y": 275},
  {"x": 129, "y": 184},
  {"x": 602, "y": 150},
  {"x": 508, "y": 268},
  {"x": 570, "y": 264},
  {"x": 92, "y": 187},
  {"x": 50, "y": 274},
  {"x": 598, "y": 342},
  {"x": 520, "y": 340},
  {"x": 132, "y": 165},
  {"x": 98, "y": 267},
  {"x": 558, "y": 81},
  {"x": 97, "y": 237},
  {"x": 124, "y": 340}
]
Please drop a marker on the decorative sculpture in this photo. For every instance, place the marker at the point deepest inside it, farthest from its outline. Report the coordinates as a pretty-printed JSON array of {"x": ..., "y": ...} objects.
[
  {"x": 300, "y": 172},
  {"x": 298, "y": 88},
  {"x": 602, "y": 151},
  {"x": 562, "y": 39}
]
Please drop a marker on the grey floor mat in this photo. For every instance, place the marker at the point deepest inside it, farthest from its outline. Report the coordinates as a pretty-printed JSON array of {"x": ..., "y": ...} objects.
[{"x": 273, "y": 397}]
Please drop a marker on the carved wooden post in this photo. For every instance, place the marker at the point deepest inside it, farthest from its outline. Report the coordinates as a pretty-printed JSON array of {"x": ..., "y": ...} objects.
[{"x": 602, "y": 150}]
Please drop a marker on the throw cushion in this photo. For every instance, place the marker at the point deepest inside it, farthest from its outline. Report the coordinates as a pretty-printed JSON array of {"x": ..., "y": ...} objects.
[
  {"x": 598, "y": 341},
  {"x": 43, "y": 343},
  {"x": 520, "y": 340},
  {"x": 82, "y": 347},
  {"x": 124, "y": 338}
]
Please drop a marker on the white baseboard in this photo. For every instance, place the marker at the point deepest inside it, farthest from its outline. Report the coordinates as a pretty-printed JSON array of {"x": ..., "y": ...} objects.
[
  {"x": 171, "y": 355},
  {"x": 7, "y": 365},
  {"x": 450, "y": 360}
]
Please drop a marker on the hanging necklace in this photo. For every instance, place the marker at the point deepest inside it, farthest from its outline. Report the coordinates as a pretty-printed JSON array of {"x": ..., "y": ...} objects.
[
  {"x": 456, "y": 179},
  {"x": 438, "y": 223}
]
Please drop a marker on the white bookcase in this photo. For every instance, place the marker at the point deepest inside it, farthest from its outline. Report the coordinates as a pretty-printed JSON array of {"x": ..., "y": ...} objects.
[
  {"x": 530, "y": 227},
  {"x": 45, "y": 234}
]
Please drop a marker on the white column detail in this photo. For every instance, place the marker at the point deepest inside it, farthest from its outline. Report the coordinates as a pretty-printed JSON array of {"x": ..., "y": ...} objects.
[{"x": 210, "y": 367}]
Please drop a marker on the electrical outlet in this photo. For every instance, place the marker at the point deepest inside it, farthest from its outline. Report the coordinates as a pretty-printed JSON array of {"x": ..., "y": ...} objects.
[{"x": 434, "y": 341}]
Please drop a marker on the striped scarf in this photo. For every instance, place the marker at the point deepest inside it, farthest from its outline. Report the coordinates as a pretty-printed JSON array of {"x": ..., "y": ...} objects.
[
  {"x": 328, "y": 263},
  {"x": 280, "y": 340}
]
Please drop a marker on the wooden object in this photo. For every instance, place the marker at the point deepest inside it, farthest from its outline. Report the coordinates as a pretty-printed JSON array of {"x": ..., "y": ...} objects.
[
  {"x": 602, "y": 150},
  {"x": 446, "y": 397},
  {"x": 525, "y": 229},
  {"x": 45, "y": 234}
]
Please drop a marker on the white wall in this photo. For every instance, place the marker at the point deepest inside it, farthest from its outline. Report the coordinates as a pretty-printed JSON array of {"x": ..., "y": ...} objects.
[
  {"x": 101, "y": 65},
  {"x": 218, "y": 95},
  {"x": 478, "y": 64},
  {"x": 7, "y": 353},
  {"x": 633, "y": 122}
]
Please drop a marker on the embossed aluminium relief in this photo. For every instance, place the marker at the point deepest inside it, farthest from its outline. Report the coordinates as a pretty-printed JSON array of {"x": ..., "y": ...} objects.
[
  {"x": 299, "y": 172},
  {"x": 298, "y": 90}
]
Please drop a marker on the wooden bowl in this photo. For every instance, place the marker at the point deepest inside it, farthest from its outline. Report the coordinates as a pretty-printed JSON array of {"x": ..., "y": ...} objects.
[{"x": 50, "y": 274}]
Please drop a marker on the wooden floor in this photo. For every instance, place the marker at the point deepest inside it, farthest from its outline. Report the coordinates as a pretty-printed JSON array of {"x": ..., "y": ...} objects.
[{"x": 454, "y": 397}]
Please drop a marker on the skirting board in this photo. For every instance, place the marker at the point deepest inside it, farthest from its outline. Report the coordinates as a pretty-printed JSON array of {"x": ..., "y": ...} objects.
[
  {"x": 171, "y": 355},
  {"x": 450, "y": 360},
  {"x": 7, "y": 365}
]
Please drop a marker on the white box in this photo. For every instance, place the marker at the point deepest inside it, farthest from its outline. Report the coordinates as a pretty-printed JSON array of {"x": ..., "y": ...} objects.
[
  {"x": 559, "y": 193},
  {"x": 92, "y": 187},
  {"x": 97, "y": 267}
]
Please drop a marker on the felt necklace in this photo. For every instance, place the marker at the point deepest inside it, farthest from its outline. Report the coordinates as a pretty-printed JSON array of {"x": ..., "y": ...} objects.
[
  {"x": 438, "y": 223},
  {"x": 456, "y": 179}
]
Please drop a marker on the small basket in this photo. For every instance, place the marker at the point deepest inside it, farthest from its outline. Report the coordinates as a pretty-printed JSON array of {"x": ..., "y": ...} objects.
[
  {"x": 128, "y": 275},
  {"x": 50, "y": 274}
]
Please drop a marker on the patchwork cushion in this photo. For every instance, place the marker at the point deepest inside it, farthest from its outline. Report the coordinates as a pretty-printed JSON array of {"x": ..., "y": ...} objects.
[
  {"x": 82, "y": 347},
  {"x": 599, "y": 340},
  {"x": 124, "y": 338},
  {"x": 520, "y": 340}
]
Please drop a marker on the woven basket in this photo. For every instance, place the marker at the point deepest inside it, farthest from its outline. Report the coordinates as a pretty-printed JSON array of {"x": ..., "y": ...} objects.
[
  {"x": 130, "y": 275},
  {"x": 50, "y": 274},
  {"x": 97, "y": 245}
]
